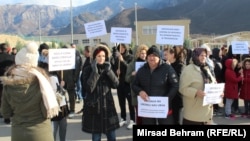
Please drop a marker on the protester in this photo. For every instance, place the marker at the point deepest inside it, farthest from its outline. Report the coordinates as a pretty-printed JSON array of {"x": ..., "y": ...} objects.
[
  {"x": 209, "y": 61},
  {"x": 99, "y": 112},
  {"x": 43, "y": 52},
  {"x": 78, "y": 98},
  {"x": 59, "y": 122},
  {"x": 120, "y": 60},
  {"x": 156, "y": 78},
  {"x": 140, "y": 56},
  {"x": 86, "y": 53},
  {"x": 230, "y": 55},
  {"x": 71, "y": 77},
  {"x": 14, "y": 51},
  {"x": 216, "y": 57},
  {"x": 231, "y": 86},
  {"x": 28, "y": 98},
  {"x": 6, "y": 60},
  {"x": 175, "y": 57},
  {"x": 192, "y": 82},
  {"x": 244, "y": 90}
]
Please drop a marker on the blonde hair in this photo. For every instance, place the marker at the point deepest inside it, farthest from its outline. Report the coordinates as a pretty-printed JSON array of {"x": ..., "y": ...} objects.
[
  {"x": 139, "y": 49},
  {"x": 234, "y": 63}
]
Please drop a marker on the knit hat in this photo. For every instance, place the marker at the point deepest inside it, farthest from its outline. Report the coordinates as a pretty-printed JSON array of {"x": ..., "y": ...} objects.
[
  {"x": 28, "y": 55},
  {"x": 154, "y": 50}
]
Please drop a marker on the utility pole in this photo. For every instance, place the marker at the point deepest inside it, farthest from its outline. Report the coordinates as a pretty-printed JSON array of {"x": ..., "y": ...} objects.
[
  {"x": 39, "y": 24},
  {"x": 136, "y": 30},
  {"x": 71, "y": 21}
]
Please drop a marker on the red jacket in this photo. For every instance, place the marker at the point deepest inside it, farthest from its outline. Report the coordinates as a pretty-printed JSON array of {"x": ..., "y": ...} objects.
[
  {"x": 231, "y": 80},
  {"x": 245, "y": 87}
]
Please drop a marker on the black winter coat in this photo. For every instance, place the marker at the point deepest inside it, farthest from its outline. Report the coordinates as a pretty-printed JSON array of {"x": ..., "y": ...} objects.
[
  {"x": 99, "y": 113},
  {"x": 163, "y": 81}
]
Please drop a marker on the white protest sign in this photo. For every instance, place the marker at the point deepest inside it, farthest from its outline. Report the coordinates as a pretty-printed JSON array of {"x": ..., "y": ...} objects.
[
  {"x": 138, "y": 65},
  {"x": 61, "y": 59},
  {"x": 94, "y": 29},
  {"x": 240, "y": 47},
  {"x": 170, "y": 34},
  {"x": 120, "y": 35},
  {"x": 213, "y": 93},
  {"x": 155, "y": 107}
]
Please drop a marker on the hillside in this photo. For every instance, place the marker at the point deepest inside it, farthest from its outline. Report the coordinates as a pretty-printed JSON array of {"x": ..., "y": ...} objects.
[
  {"x": 207, "y": 16},
  {"x": 11, "y": 39},
  {"x": 28, "y": 20},
  {"x": 212, "y": 16}
]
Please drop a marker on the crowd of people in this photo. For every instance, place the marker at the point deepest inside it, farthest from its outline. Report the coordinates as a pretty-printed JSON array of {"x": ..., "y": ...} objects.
[{"x": 29, "y": 91}]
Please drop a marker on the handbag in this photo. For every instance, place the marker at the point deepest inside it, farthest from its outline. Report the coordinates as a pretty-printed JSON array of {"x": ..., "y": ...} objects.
[{"x": 61, "y": 97}]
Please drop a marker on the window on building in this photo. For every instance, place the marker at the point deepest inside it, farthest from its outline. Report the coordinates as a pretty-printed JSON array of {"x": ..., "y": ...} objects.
[
  {"x": 75, "y": 42},
  {"x": 154, "y": 29},
  {"x": 85, "y": 41},
  {"x": 149, "y": 30},
  {"x": 96, "y": 41}
]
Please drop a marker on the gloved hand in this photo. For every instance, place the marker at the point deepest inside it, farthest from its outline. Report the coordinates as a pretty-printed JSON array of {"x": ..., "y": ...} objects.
[
  {"x": 119, "y": 56},
  {"x": 94, "y": 66},
  {"x": 107, "y": 66}
]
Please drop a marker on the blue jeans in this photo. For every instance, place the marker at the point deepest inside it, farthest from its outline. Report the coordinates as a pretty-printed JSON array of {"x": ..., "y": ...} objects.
[
  {"x": 110, "y": 136},
  {"x": 79, "y": 89},
  {"x": 228, "y": 106}
]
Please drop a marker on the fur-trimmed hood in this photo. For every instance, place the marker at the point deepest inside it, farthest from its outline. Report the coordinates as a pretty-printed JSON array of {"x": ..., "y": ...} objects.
[
  {"x": 19, "y": 80},
  {"x": 17, "y": 75},
  {"x": 104, "y": 47}
]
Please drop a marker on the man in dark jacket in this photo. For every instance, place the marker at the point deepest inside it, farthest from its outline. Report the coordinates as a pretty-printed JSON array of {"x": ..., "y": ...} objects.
[
  {"x": 86, "y": 53},
  {"x": 121, "y": 59},
  {"x": 156, "y": 78},
  {"x": 6, "y": 60},
  {"x": 70, "y": 77}
]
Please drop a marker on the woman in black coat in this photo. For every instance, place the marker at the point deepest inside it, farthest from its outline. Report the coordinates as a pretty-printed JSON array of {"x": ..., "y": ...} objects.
[
  {"x": 175, "y": 57},
  {"x": 99, "y": 113}
]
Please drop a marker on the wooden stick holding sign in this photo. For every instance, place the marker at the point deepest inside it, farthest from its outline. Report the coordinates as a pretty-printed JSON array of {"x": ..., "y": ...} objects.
[
  {"x": 119, "y": 62},
  {"x": 241, "y": 69},
  {"x": 240, "y": 47},
  {"x": 61, "y": 75}
]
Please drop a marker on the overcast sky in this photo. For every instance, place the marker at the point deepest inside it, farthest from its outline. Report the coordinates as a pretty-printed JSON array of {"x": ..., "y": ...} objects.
[{"x": 61, "y": 3}]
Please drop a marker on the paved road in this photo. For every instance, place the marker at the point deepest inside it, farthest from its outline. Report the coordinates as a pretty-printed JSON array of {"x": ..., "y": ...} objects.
[{"x": 74, "y": 132}]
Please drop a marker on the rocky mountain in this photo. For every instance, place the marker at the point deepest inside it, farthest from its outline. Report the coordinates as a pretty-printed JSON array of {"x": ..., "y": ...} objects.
[
  {"x": 207, "y": 16},
  {"x": 24, "y": 19},
  {"x": 212, "y": 16}
]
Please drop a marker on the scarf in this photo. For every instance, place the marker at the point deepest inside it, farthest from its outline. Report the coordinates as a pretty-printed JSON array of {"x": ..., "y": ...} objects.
[
  {"x": 206, "y": 74},
  {"x": 48, "y": 94}
]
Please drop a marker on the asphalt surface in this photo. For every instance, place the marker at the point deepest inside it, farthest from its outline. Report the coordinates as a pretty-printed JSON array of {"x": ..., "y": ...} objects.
[{"x": 74, "y": 132}]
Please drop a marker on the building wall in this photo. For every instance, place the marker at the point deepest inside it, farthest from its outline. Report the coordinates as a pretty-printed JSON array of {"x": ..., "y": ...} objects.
[
  {"x": 80, "y": 39},
  {"x": 151, "y": 38}
]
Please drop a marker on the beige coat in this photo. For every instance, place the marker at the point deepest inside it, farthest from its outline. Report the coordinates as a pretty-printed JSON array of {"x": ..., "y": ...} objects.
[{"x": 190, "y": 81}]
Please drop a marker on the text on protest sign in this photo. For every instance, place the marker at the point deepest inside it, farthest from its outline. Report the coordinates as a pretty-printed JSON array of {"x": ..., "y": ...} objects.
[
  {"x": 170, "y": 34},
  {"x": 240, "y": 47},
  {"x": 120, "y": 35},
  {"x": 61, "y": 59},
  {"x": 213, "y": 93},
  {"x": 155, "y": 107},
  {"x": 94, "y": 29}
]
